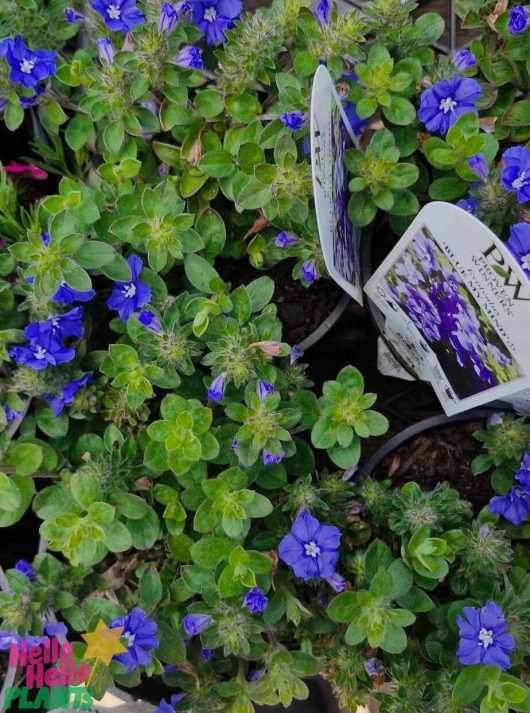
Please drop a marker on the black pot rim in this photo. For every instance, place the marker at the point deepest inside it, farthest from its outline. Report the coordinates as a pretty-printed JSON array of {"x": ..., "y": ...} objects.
[
  {"x": 416, "y": 429},
  {"x": 326, "y": 324}
]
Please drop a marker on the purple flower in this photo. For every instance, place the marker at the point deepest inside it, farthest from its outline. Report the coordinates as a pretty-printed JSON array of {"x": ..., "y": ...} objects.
[
  {"x": 213, "y": 17},
  {"x": 216, "y": 390},
  {"x": 39, "y": 356},
  {"x": 206, "y": 654},
  {"x": 26, "y": 569},
  {"x": 169, "y": 17},
  {"x": 309, "y": 271},
  {"x": 29, "y": 67},
  {"x": 519, "y": 20},
  {"x": 271, "y": 458},
  {"x": 515, "y": 176},
  {"x": 73, "y": 17},
  {"x": 311, "y": 549},
  {"x": 468, "y": 204},
  {"x": 293, "y": 119},
  {"x": 296, "y": 354},
  {"x": 119, "y": 15},
  {"x": 423, "y": 313},
  {"x": 7, "y": 638},
  {"x": 256, "y": 674},
  {"x": 264, "y": 389},
  {"x": 67, "y": 295},
  {"x": 63, "y": 325},
  {"x": 169, "y": 707},
  {"x": 425, "y": 251},
  {"x": 56, "y": 628},
  {"x": 234, "y": 444},
  {"x": 126, "y": 297},
  {"x": 519, "y": 245},
  {"x": 285, "y": 240},
  {"x": 464, "y": 59},
  {"x": 477, "y": 163},
  {"x": 194, "y": 624},
  {"x": 373, "y": 667},
  {"x": 523, "y": 474},
  {"x": 514, "y": 506},
  {"x": 10, "y": 414},
  {"x": 150, "y": 321},
  {"x": 106, "y": 50},
  {"x": 448, "y": 99},
  {"x": 323, "y": 12},
  {"x": 68, "y": 392},
  {"x": 28, "y": 102},
  {"x": 255, "y": 601},
  {"x": 138, "y": 636},
  {"x": 357, "y": 124},
  {"x": 484, "y": 637},
  {"x": 336, "y": 582},
  {"x": 190, "y": 57}
]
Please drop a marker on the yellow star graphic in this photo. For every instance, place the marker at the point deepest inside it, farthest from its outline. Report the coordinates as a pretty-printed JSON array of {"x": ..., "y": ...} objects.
[{"x": 103, "y": 643}]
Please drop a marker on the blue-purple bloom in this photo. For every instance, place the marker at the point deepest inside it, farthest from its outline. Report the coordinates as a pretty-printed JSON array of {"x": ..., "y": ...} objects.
[
  {"x": 256, "y": 674},
  {"x": 293, "y": 119},
  {"x": 69, "y": 324},
  {"x": 206, "y": 654},
  {"x": 10, "y": 414},
  {"x": 127, "y": 297},
  {"x": 323, "y": 12},
  {"x": 216, "y": 390},
  {"x": 67, "y": 295},
  {"x": 56, "y": 628},
  {"x": 478, "y": 165},
  {"x": 234, "y": 444},
  {"x": 194, "y": 624},
  {"x": 106, "y": 50},
  {"x": 169, "y": 707},
  {"x": 119, "y": 15},
  {"x": 67, "y": 395},
  {"x": 285, "y": 240},
  {"x": 26, "y": 569},
  {"x": 311, "y": 549},
  {"x": 448, "y": 99},
  {"x": 468, "y": 204},
  {"x": 336, "y": 582},
  {"x": 519, "y": 20},
  {"x": 519, "y": 245},
  {"x": 255, "y": 601},
  {"x": 190, "y": 57},
  {"x": 356, "y": 123},
  {"x": 29, "y": 67},
  {"x": 73, "y": 17},
  {"x": 150, "y": 321},
  {"x": 484, "y": 637},
  {"x": 514, "y": 506},
  {"x": 464, "y": 59},
  {"x": 28, "y": 102},
  {"x": 7, "y": 638},
  {"x": 264, "y": 389},
  {"x": 515, "y": 176},
  {"x": 373, "y": 667},
  {"x": 271, "y": 458},
  {"x": 169, "y": 17},
  {"x": 214, "y": 17},
  {"x": 296, "y": 354},
  {"x": 309, "y": 271},
  {"x": 39, "y": 355},
  {"x": 138, "y": 636}
]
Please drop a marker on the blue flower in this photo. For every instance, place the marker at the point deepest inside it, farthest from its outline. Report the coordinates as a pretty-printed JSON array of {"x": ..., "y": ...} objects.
[
  {"x": 234, "y": 444},
  {"x": 194, "y": 624},
  {"x": 293, "y": 119},
  {"x": 67, "y": 295},
  {"x": 46, "y": 239},
  {"x": 39, "y": 356},
  {"x": 213, "y": 17},
  {"x": 523, "y": 474},
  {"x": 7, "y": 638},
  {"x": 206, "y": 654},
  {"x": 464, "y": 59},
  {"x": 169, "y": 707},
  {"x": 119, "y": 15},
  {"x": 190, "y": 57},
  {"x": 150, "y": 321},
  {"x": 264, "y": 389},
  {"x": 127, "y": 297},
  {"x": 169, "y": 17},
  {"x": 323, "y": 12},
  {"x": 216, "y": 390},
  {"x": 256, "y": 674},
  {"x": 519, "y": 20},
  {"x": 138, "y": 636},
  {"x": 296, "y": 354},
  {"x": 311, "y": 549},
  {"x": 468, "y": 204},
  {"x": 28, "y": 102},
  {"x": 519, "y": 245},
  {"x": 514, "y": 506},
  {"x": 73, "y": 17},
  {"x": 336, "y": 582},
  {"x": 26, "y": 569},
  {"x": 29, "y": 67},
  {"x": 357, "y": 124},
  {"x": 63, "y": 325},
  {"x": 448, "y": 99},
  {"x": 285, "y": 240},
  {"x": 477, "y": 163},
  {"x": 255, "y": 601},
  {"x": 373, "y": 667},
  {"x": 56, "y": 628},
  {"x": 271, "y": 458},
  {"x": 68, "y": 392},
  {"x": 515, "y": 176},
  {"x": 106, "y": 50},
  {"x": 309, "y": 271},
  {"x": 10, "y": 414},
  {"x": 484, "y": 637}
]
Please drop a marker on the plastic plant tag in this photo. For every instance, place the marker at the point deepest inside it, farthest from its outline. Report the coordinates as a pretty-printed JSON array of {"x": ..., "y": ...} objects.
[
  {"x": 460, "y": 305},
  {"x": 331, "y": 135},
  {"x": 388, "y": 365}
]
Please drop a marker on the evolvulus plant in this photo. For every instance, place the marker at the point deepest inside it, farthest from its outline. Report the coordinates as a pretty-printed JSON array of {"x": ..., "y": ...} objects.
[{"x": 152, "y": 416}]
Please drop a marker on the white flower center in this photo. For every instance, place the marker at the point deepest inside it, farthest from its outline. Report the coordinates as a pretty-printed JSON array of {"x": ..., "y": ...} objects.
[
  {"x": 447, "y": 104},
  {"x": 40, "y": 352},
  {"x": 210, "y": 14},
  {"x": 27, "y": 66},
  {"x": 129, "y": 290},
  {"x": 520, "y": 181},
  {"x": 312, "y": 549},
  {"x": 128, "y": 638},
  {"x": 55, "y": 322},
  {"x": 525, "y": 261},
  {"x": 114, "y": 12},
  {"x": 485, "y": 637}
]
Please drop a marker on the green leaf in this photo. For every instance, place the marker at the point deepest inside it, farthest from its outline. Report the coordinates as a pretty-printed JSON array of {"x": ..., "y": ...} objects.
[
  {"x": 447, "y": 189},
  {"x": 13, "y": 116},
  {"x": 94, "y": 254},
  {"x": 217, "y": 163},
  {"x": 518, "y": 114},
  {"x": 150, "y": 588},
  {"x": 400, "y": 111},
  {"x": 200, "y": 273},
  {"x": 210, "y": 551},
  {"x": 343, "y": 607},
  {"x": 243, "y": 107},
  {"x": 78, "y": 131},
  {"x": 25, "y": 457},
  {"x": 209, "y": 103},
  {"x": 86, "y": 489}
]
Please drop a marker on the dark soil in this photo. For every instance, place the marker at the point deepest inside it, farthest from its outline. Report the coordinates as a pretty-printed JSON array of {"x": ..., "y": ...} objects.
[
  {"x": 301, "y": 309},
  {"x": 441, "y": 455}
]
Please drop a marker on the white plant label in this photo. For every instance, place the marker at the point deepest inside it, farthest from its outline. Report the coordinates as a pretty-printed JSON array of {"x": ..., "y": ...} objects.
[
  {"x": 331, "y": 136},
  {"x": 460, "y": 306}
]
